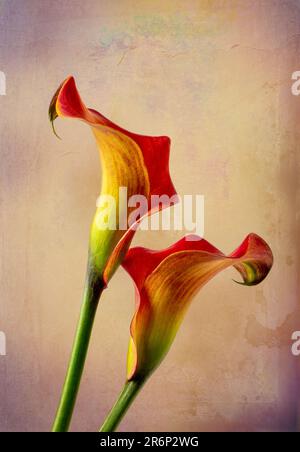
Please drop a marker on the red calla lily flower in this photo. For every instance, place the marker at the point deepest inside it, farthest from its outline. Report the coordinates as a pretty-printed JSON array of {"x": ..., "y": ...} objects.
[
  {"x": 166, "y": 282},
  {"x": 139, "y": 163}
]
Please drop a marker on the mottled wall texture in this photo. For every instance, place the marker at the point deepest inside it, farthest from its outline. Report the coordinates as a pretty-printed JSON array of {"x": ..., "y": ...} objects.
[{"x": 215, "y": 76}]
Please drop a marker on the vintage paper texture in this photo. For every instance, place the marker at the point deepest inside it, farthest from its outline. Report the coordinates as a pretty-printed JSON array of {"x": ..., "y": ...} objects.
[{"x": 216, "y": 77}]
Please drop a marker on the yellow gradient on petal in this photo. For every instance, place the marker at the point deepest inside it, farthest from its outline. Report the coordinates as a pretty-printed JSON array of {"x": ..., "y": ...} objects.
[
  {"x": 131, "y": 359},
  {"x": 122, "y": 166},
  {"x": 168, "y": 292}
]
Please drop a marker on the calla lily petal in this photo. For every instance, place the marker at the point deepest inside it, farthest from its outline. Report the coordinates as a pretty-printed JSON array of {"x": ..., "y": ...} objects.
[
  {"x": 139, "y": 163},
  {"x": 166, "y": 282}
]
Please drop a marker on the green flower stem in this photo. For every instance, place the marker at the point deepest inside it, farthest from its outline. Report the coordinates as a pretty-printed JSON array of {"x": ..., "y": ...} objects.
[
  {"x": 90, "y": 303},
  {"x": 127, "y": 396}
]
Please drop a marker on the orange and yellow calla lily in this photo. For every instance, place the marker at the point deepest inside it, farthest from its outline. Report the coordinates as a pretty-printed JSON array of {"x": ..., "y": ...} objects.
[
  {"x": 139, "y": 163},
  {"x": 166, "y": 282}
]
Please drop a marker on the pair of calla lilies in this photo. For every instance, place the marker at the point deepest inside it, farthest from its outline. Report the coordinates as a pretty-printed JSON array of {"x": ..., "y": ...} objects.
[{"x": 165, "y": 281}]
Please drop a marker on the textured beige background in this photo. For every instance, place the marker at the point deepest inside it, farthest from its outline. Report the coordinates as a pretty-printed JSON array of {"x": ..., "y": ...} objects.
[{"x": 215, "y": 76}]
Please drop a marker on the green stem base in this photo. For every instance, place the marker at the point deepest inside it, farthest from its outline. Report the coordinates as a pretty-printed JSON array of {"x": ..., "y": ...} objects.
[
  {"x": 90, "y": 303},
  {"x": 127, "y": 396}
]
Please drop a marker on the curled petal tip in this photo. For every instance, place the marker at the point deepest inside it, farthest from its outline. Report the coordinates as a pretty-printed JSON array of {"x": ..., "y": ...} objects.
[
  {"x": 53, "y": 111},
  {"x": 245, "y": 283},
  {"x": 53, "y": 129},
  {"x": 256, "y": 260}
]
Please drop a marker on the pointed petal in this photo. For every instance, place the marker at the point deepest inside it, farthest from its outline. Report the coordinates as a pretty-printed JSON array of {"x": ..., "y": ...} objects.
[{"x": 155, "y": 150}]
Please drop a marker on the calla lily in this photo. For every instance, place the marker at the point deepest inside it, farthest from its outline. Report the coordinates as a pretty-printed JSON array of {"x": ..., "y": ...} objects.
[
  {"x": 166, "y": 282},
  {"x": 139, "y": 163}
]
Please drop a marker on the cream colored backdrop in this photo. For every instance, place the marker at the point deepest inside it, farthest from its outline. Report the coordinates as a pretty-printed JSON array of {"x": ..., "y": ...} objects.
[{"x": 216, "y": 77}]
